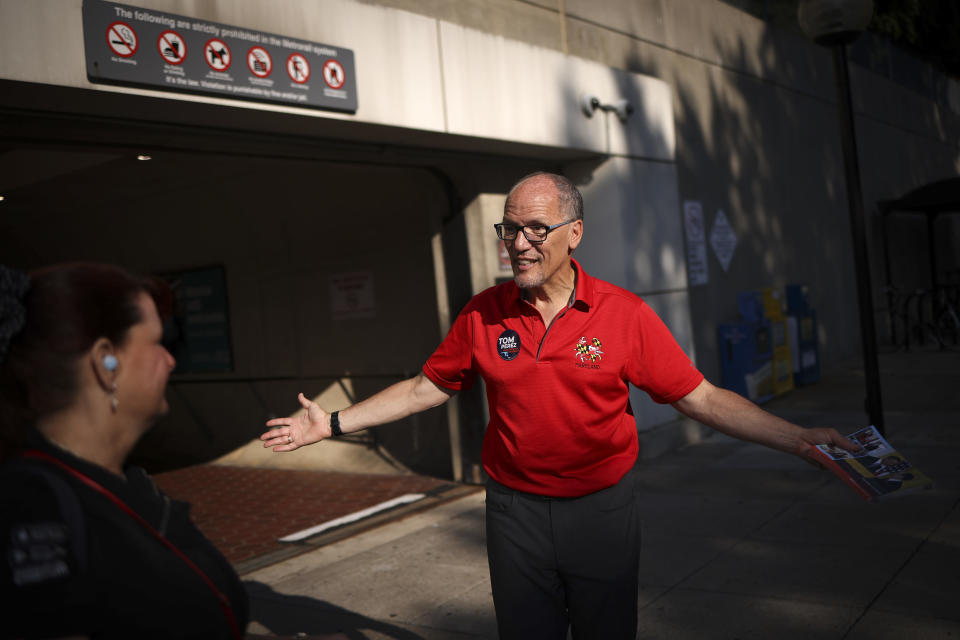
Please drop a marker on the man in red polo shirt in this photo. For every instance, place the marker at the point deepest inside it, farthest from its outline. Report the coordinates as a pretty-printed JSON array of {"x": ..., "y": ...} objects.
[{"x": 558, "y": 350}]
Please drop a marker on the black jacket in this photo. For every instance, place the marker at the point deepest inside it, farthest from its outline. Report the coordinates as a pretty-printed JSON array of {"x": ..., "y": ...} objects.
[{"x": 72, "y": 562}]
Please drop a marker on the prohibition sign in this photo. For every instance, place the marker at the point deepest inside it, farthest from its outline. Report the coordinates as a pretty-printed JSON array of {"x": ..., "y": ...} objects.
[
  {"x": 298, "y": 68},
  {"x": 172, "y": 47},
  {"x": 122, "y": 39},
  {"x": 217, "y": 54},
  {"x": 333, "y": 74},
  {"x": 259, "y": 62}
]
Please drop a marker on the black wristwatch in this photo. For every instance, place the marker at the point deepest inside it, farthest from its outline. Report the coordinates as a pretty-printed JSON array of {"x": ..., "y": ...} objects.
[{"x": 335, "y": 424}]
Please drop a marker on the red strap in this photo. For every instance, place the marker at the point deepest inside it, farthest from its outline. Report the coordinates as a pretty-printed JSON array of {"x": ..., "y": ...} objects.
[{"x": 93, "y": 484}]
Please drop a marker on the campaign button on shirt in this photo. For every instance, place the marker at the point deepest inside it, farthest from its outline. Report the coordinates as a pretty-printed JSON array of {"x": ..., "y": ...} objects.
[{"x": 508, "y": 344}]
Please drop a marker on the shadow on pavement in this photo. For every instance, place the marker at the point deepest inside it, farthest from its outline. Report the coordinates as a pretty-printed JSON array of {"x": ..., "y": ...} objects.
[{"x": 304, "y": 617}]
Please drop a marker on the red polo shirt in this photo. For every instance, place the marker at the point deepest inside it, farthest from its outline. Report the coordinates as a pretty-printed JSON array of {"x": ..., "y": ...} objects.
[{"x": 560, "y": 417}]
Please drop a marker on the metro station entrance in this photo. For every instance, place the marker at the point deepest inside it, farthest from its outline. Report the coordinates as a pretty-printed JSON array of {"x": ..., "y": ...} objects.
[{"x": 323, "y": 275}]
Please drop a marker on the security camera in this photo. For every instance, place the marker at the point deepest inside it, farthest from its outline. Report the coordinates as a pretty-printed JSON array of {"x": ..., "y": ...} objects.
[
  {"x": 589, "y": 104},
  {"x": 623, "y": 109}
]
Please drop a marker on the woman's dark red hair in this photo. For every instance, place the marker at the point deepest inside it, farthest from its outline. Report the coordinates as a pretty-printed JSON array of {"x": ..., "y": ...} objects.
[{"x": 68, "y": 308}]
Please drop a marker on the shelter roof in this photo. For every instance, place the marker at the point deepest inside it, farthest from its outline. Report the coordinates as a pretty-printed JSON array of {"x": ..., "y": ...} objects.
[{"x": 935, "y": 197}]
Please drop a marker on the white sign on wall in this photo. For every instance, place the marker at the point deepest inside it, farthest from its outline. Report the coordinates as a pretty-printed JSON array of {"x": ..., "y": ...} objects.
[
  {"x": 723, "y": 240},
  {"x": 696, "y": 242},
  {"x": 351, "y": 295}
]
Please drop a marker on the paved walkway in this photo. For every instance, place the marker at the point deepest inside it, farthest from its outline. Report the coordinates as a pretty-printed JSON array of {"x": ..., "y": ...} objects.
[{"x": 739, "y": 541}]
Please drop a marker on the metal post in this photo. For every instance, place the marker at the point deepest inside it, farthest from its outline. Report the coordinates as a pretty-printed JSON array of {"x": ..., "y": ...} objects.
[{"x": 858, "y": 228}]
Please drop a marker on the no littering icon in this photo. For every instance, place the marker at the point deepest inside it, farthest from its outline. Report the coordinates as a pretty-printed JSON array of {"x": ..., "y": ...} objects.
[{"x": 259, "y": 62}]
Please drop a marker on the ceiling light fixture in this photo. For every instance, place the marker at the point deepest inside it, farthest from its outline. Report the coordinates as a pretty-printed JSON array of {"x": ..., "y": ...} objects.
[{"x": 144, "y": 157}]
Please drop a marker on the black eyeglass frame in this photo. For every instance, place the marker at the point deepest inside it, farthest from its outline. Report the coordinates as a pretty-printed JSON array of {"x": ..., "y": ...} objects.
[{"x": 522, "y": 228}]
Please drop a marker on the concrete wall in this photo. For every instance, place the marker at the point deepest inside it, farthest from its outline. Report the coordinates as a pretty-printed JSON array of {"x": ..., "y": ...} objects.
[
  {"x": 413, "y": 72},
  {"x": 758, "y": 137}
]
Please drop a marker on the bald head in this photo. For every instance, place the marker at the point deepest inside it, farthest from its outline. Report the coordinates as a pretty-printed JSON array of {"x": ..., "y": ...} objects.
[{"x": 569, "y": 200}]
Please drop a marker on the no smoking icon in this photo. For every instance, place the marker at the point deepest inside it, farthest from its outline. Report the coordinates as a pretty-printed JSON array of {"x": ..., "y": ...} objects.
[{"x": 122, "y": 39}]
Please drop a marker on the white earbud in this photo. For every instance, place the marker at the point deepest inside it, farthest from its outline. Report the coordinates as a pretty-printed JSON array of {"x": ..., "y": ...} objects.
[{"x": 110, "y": 362}]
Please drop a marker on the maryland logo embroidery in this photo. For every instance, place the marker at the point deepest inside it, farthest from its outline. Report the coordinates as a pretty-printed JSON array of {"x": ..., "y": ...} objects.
[{"x": 588, "y": 352}]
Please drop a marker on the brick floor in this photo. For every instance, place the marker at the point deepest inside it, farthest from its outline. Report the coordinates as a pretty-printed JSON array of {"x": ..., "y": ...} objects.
[{"x": 243, "y": 510}]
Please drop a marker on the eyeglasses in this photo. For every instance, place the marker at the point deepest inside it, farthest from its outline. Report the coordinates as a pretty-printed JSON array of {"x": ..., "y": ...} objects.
[{"x": 534, "y": 233}]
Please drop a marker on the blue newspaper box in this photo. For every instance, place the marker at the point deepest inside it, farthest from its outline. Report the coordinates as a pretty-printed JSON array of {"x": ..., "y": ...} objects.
[
  {"x": 798, "y": 302},
  {"x": 804, "y": 347},
  {"x": 750, "y": 306},
  {"x": 802, "y": 323},
  {"x": 746, "y": 359}
]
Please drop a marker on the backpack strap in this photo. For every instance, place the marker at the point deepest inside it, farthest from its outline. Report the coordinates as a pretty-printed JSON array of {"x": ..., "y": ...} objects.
[{"x": 96, "y": 486}]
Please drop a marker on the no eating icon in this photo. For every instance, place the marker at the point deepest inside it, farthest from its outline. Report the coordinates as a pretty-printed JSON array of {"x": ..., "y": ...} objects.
[{"x": 172, "y": 47}]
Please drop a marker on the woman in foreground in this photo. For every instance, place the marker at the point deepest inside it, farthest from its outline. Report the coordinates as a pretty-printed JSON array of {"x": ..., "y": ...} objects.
[{"x": 89, "y": 547}]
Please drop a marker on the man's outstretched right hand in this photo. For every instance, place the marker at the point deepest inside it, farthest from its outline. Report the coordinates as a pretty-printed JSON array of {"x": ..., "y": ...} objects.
[{"x": 289, "y": 434}]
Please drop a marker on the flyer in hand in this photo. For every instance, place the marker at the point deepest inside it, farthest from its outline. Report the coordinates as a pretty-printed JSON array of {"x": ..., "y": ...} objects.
[{"x": 877, "y": 472}]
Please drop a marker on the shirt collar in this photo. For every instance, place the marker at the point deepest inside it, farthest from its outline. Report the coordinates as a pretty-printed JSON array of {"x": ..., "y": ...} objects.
[
  {"x": 581, "y": 297},
  {"x": 583, "y": 292}
]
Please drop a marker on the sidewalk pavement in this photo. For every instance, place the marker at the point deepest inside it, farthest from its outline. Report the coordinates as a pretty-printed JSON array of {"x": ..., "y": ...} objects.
[
  {"x": 245, "y": 510},
  {"x": 738, "y": 541}
]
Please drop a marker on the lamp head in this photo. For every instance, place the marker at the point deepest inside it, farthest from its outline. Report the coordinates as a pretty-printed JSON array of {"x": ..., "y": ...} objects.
[{"x": 834, "y": 22}]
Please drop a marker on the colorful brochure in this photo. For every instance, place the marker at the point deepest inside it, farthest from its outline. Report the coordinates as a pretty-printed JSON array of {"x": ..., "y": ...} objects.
[{"x": 875, "y": 473}]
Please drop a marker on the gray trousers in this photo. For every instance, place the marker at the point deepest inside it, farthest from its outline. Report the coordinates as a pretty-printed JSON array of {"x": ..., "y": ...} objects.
[{"x": 565, "y": 562}]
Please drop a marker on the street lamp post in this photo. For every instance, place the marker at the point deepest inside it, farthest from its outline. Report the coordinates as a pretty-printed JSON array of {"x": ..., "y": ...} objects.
[{"x": 835, "y": 24}]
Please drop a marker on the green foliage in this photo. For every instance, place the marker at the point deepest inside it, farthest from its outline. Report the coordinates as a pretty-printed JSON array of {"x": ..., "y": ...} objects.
[
  {"x": 931, "y": 28},
  {"x": 896, "y": 19}
]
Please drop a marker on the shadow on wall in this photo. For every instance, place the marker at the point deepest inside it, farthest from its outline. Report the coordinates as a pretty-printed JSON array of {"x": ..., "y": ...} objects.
[
  {"x": 784, "y": 202},
  {"x": 764, "y": 147}
]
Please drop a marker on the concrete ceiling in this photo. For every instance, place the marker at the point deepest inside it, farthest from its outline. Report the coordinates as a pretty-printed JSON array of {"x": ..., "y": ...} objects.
[{"x": 45, "y": 180}]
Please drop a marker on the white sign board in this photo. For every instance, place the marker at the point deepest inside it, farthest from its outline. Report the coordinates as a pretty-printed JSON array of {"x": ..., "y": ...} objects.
[
  {"x": 723, "y": 240},
  {"x": 696, "y": 243},
  {"x": 351, "y": 295}
]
